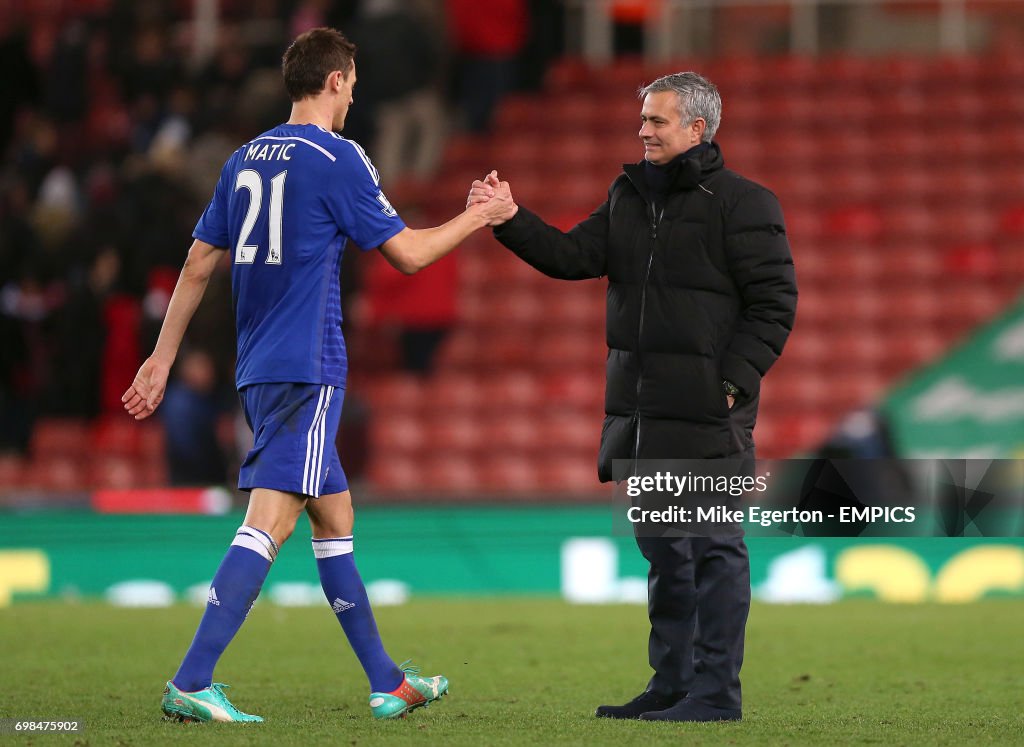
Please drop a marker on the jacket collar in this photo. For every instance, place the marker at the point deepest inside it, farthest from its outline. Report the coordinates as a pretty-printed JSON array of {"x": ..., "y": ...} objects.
[{"x": 691, "y": 172}]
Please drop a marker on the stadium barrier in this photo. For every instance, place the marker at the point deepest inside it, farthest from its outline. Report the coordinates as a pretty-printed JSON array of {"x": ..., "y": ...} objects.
[{"x": 459, "y": 551}]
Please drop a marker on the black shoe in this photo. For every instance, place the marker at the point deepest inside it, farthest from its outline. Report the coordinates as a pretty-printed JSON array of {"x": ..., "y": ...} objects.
[
  {"x": 645, "y": 702},
  {"x": 693, "y": 710}
]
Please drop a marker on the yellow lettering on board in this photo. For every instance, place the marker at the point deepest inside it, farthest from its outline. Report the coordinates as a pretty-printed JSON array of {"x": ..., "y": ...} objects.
[
  {"x": 967, "y": 576},
  {"x": 22, "y": 570},
  {"x": 892, "y": 573}
]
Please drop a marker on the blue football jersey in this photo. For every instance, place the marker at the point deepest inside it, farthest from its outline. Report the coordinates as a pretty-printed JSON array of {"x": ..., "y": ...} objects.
[{"x": 284, "y": 206}]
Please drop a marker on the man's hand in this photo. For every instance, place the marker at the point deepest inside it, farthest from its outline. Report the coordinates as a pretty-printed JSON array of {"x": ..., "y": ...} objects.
[
  {"x": 147, "y": 391},
  {"x": 491, "y": 191}
]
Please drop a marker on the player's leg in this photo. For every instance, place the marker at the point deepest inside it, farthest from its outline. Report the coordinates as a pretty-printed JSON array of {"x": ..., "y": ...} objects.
[
  {"x": 394, "y": 691},
  {"x": 268, "y": 523},
  {"x": 331, "y": 519},
  {"x": 287, "y": 421}
]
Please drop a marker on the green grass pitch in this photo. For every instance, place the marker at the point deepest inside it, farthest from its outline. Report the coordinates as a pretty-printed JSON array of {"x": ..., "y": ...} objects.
[{"x": 526, "y": 672}]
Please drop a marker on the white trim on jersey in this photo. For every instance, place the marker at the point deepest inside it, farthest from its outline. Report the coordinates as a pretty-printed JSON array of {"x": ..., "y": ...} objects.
[
  {"x": 359, "y": 151},
  {"x": 315, "y": 437},
  {"x": 300, "y": 139},
  {"x": 366, "y": 160}
]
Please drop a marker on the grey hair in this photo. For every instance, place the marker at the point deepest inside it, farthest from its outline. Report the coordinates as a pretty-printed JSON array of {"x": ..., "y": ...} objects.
[{"x": 698, "y": 97}]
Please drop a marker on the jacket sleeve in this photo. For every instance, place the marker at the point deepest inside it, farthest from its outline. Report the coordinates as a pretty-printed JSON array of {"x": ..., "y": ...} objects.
[
  {"x": 759, "y": 259},
  {"x": 577, "y": 255}
]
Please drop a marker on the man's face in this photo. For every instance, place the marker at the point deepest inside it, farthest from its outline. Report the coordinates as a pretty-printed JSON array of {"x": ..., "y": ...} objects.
[
  {"x": 345, "y": 99},
  {"x": 663, "y": 132}
]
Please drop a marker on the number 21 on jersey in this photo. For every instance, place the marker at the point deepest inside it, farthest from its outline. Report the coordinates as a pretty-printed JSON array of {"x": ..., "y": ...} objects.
[{"x": 245, "y": 253}]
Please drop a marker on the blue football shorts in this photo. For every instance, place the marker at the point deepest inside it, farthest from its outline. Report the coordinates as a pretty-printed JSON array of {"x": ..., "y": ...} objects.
[{"x": 294, "y": 431}]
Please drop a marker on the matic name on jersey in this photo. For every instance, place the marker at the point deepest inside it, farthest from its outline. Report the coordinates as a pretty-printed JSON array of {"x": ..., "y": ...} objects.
[{"x": 284, "y": 206}]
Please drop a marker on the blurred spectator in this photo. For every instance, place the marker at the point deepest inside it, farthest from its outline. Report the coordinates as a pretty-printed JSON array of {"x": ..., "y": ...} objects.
[
  {"x": 309, "y": 14},
  {"x": 149, "y": 68},
  {"x": 263, "y": 33},
  {"x": 18, "y": 85},
  {"x": 66, "y": 93},
  {"x": 190, "y": 411},
  {"x": 399, "y": 63},
  {"x": 81, "y": 334},
  {"x": 488, "y": 37},
  {"x": 423, "y": 307},
  {"x": 630, "y": 18},
  {"x": 545, "y": 42}
]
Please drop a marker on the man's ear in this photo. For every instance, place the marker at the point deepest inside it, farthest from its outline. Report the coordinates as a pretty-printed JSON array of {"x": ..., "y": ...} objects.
[{"x": 697, "y": 128}]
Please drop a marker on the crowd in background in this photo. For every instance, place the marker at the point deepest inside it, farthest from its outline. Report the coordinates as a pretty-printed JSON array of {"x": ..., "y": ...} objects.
[{"x": 115, "y": 119}]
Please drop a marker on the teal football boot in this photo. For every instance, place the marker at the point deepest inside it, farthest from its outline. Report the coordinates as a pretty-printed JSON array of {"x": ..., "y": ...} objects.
[
  {"x": 415, "y": 691},
  {"x": 209, "y": 704}
]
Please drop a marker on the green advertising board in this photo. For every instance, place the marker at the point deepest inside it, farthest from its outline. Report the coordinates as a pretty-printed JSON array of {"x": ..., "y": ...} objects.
[
  {"x": 473, "y": 551},
  {"x": 969, "y": 405}
]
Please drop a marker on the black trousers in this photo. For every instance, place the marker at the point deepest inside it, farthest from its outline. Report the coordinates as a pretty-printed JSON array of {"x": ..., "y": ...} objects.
[{"x": 698, "y": 601}]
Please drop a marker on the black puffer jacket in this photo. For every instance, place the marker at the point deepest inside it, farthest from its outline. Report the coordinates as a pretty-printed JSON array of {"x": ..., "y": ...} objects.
[{"x": 700, "y": 289}]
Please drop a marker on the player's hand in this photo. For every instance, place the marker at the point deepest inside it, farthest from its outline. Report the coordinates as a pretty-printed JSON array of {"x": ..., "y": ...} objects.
[
  {"x": 482, "y": 191},
  {"x": 495, "y": 199},
  {"x": 730, "y": 400},
  {"x": 147, "y": 391}
]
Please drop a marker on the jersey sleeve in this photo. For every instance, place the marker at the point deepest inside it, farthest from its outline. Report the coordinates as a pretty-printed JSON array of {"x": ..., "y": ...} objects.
[
  {"x": 357, "y": 202},
  {"x": 213, "y": 225}
]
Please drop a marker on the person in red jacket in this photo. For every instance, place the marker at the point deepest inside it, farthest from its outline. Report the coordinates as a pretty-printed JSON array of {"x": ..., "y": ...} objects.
[{"x": 487, "y": 37}]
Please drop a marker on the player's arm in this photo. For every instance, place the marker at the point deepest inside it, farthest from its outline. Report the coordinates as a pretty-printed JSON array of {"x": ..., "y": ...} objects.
[
  {"x": 577, "y": 255},
  {"x": 411, "y": 249},
  {"x": 147, "y": 391}
]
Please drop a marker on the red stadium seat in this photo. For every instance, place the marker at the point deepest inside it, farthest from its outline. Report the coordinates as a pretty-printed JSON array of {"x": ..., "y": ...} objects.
[
  {"x": 116, "y": 472},
  {"x": 397, "y": 392},
  {"x": 911, "y": 222},
  {"x": 455, "y": 393},
  {"x": 59, "y": 473},
  {"x": 578, "y": 389},
  {"x": 509, "y": 474},
  {"x": 59, "y": 436},
  {"x": 455, "y": 433},
  {"x": 116, "y": 434},
  {"x": 13, "y": 471},
  {"x": 514, "y": 433},
  {"x": 568, "y": 433},
  {"x": 855, "y": 221},
  {"x": 397, "y": 434},
  {"x": 397, "y": 472},
  {"x": 450, "y": 473},
  {"x": 572, "y": 475},
  {"x": 1012, "y": 221},
  {"x": 513, "y": 391},
  {"x": 460, "y": 351}
]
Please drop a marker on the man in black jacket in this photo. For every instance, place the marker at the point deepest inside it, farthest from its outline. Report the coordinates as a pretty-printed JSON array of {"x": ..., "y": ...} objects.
[{"x": 701, "y": 298}]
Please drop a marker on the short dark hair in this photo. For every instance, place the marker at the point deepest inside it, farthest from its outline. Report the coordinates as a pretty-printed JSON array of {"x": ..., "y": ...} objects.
[{"x": 312, "y": 57}]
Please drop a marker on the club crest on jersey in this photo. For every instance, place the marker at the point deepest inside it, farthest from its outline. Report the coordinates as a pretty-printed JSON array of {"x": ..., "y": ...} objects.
[{"x": 386, "y": 206}]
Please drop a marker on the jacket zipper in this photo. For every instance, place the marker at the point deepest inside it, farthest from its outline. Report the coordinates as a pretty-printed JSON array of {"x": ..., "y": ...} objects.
[{"x": 656, "y": 216}]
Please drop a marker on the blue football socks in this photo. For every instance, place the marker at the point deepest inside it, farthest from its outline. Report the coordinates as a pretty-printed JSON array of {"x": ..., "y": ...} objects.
[
  {"x": 347, "y": 596},
  {"x": 234, "y": 589}
]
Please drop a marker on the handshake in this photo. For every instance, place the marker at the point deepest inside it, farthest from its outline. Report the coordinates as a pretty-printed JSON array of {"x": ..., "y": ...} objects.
[{"x": 492, "y": 199}]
